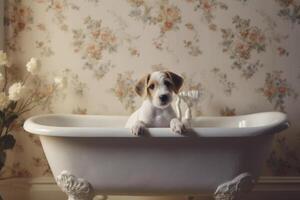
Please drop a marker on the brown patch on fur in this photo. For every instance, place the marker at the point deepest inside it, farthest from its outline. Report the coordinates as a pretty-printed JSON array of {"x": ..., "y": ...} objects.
[
  {"x": 176, "y": 79},
  {"x": 149, "y": 90},
  {"x": 140, "y": 87},
  {"x": 169, "y": 84}
]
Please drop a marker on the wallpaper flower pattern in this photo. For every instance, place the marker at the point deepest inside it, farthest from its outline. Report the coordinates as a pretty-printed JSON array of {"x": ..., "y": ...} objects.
[
  {"x": 92, "y": 43},
  {"x": 243, "y": 56},
  {"x": 241, "y": 43}
]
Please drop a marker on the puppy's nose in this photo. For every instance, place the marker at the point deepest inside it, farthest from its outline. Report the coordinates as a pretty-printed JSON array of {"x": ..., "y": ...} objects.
[{"x": 163, "y": 97}]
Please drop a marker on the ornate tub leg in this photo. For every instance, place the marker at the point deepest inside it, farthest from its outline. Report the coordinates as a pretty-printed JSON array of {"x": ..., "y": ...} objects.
[
  {"x": 234, "y": 189},
  {"x": 75, "y": 188}
]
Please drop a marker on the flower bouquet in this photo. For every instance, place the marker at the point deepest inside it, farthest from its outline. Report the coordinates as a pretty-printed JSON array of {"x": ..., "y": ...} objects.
[{"x": 19, "y": 96}]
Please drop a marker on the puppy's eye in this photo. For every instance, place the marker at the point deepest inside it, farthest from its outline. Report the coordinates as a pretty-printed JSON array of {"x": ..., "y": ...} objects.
[
  {"x": 167, "y": 83},
  {"x": 151, "y": 86}
]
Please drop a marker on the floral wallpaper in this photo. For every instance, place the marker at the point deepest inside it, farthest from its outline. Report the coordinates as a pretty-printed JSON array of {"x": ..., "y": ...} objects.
[
  {"x": 242, "y": 55},
  {"x": 1, "y": 25}
]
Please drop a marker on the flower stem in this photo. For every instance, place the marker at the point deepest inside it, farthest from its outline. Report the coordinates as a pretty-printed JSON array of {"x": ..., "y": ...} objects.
[{"x": 5, "y": 79}]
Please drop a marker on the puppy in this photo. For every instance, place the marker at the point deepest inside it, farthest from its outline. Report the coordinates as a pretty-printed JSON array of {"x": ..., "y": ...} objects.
[{"x": 157, "y": 90}]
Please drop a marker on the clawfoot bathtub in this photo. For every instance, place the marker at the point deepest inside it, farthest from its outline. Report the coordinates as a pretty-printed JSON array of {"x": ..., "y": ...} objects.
[{"x": 92, "y": 155}]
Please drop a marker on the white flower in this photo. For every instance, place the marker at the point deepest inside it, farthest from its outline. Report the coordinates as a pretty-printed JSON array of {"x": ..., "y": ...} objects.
[
  {"x": 61, "y": 82},
  {"x": 3, "y": 100},
  {"x": 3, "y": 58},
  {"x": 16, "y": 91},
  {"x": 33, "y": 66}
]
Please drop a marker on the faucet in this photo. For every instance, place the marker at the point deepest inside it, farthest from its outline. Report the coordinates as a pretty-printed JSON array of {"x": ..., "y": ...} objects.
[{"x": 189, "y": 98}]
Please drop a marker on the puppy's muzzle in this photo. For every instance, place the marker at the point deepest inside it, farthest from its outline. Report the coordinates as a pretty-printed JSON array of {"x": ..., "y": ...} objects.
[{"x": 164, "y": 98}]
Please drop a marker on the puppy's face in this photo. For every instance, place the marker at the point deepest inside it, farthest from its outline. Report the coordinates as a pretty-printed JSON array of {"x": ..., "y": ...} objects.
[{"x": 159, "y": 87}]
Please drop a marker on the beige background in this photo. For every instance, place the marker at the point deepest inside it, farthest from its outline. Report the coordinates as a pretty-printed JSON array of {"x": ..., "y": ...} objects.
[
  {"x": 1, "y": 24},
  {"x": 242, "y": 55}
]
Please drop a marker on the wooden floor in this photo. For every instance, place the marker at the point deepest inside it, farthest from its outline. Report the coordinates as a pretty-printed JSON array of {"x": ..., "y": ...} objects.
[{"x": 44, "y": 188}]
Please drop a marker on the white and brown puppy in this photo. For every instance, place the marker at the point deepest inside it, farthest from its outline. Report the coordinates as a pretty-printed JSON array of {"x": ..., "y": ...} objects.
[{"x": 157, "y": 89}]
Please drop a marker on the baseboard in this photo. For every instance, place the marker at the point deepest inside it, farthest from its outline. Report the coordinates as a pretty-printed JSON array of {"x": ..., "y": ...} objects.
[
  {"x": 45, "y": 188},
  {"x": 14, "y": 189}
]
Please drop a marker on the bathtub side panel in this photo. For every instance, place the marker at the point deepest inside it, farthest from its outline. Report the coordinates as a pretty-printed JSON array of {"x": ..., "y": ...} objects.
[{"x": 154, "y": 165}]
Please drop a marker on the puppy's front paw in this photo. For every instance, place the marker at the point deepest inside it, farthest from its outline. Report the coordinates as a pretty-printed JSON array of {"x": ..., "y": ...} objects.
[
  {"x": 138, "y": 128},
  {"x": 177, "y": 126}
]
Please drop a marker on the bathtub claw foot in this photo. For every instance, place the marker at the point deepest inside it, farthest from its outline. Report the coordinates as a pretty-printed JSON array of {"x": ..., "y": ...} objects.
[
  {"x": 75, "y": 188},
  {"x": 234, "y": 189}
]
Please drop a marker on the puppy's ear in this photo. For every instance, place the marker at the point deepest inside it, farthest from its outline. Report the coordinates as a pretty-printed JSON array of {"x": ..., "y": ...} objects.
[
  {"x": 176, "y": 79},
  {"x": 141, "y": 86}
]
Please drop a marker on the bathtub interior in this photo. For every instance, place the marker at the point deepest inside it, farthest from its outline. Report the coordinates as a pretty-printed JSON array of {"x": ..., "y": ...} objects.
[
  {"x": 113, "y": 126},
  {"x": 100, "y": 121},
  {"x": 65, "y": 120}
]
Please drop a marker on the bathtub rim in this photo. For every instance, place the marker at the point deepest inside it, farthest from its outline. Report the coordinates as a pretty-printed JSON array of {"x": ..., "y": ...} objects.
[{"x": 32, "y": 127}]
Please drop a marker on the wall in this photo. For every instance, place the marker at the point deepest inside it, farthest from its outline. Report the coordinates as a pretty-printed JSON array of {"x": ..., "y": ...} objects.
[
  {"x": 242, "y": 55},
  {"x": 1, "y": 24}
]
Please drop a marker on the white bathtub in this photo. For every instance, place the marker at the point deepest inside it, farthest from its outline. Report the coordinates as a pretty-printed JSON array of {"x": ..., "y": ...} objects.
[{"x": 219, "y": 151}]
